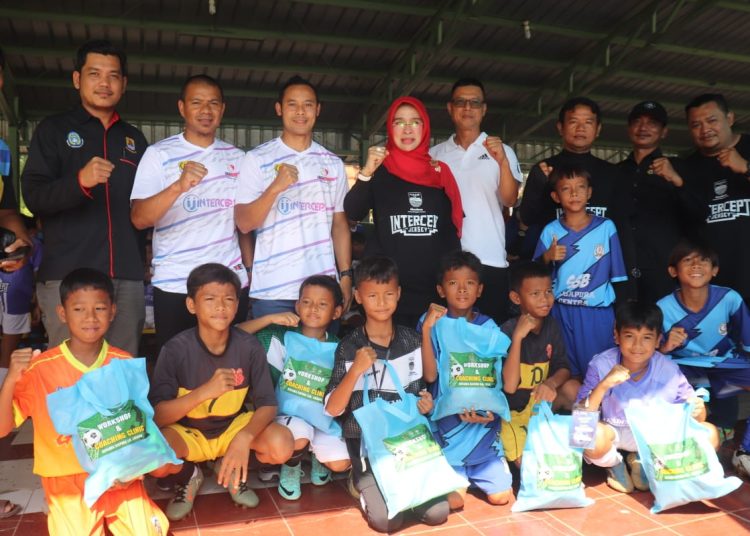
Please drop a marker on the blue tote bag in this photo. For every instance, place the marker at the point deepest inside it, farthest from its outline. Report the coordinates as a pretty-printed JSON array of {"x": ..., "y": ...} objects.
[
  {"x": 677, "y": 456},
  {"x": 304, "y": 377},
  {"x": 110, "y": 419},
  {"x": 551, "y": 470},
  {"x": 408, "y": 464},
  {"x": 469, "y": 368}
]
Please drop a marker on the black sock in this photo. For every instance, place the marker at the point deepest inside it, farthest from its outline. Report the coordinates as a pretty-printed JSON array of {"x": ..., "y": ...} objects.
[
  {"x": 182, "y": 477},
  {"x": 296, "y": 458}
]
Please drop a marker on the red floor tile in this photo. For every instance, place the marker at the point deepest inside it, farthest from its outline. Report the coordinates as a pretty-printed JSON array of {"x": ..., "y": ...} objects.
[
  {"x": 515, "y": 526},
  {"x": 347, "y": 521},
  {"x": 726, "y": 524},
  {"x": 605, "y": 516},
  {"x": 740, "y": 498},
  {"x": 219, "y": 508},
  {"x": 264, "y": 527},
  {"x": 476, "y": 508},
  {"x": 642, "y": 503},
  {"x": 315, "y": 499},
  {"x": 35, "y": 524}
]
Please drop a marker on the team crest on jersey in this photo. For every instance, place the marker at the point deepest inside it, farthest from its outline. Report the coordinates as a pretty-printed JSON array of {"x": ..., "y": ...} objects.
[
  {"x": 74, "y": 140},
  {"x": 181, "y": 165},
  {"x": 720, "y": 189},
  {"x": 232, "y": 170},
  {"x": 415, "y": 199},
  {"x": 723, "y": 328},
  {"x": 130, "y": 144},
  {"x": 324, "y": 175},
  {"x": 598, "y": 251}
]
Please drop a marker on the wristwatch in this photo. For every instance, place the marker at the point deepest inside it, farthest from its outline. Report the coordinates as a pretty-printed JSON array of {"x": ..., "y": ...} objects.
[{"x": 346, "y": 273}]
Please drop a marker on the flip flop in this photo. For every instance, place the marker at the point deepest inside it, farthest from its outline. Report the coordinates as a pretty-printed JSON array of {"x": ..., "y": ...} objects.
[{"x": 10, "y": 513}]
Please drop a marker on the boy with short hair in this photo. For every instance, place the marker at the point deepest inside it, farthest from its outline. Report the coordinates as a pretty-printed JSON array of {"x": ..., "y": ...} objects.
[
  {"x": 378, "y": 291},
  {"x": 633, "y": 371},
  {"x": 320, "y": 303},
  {"x": 708, "y": 322},
  {"x": 87, "y": 308},
  {"x": 586, "y": 255},
  {"x": 202, "y": 379},
  {"x": 469, "y": 440},
  {"x": 537, "y": 364}
]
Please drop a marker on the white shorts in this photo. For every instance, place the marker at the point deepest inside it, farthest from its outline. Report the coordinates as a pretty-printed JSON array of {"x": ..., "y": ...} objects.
[
  {"x": 623, "y": 440},
  {"x": 15, "y": 324},
  {"x": 326, "y": 447}
]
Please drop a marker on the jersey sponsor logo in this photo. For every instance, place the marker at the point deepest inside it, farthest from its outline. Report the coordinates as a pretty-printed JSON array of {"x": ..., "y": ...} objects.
[
  {"x": 74, "y": 140},
  {"x": 324, "y": 175},
  {"x": 232, "y": 170},
  {"x": 130, "y": 144},
  {"x": 414, "y": 224},
  {"x": 286, "y": 206},
  {"x": 597, "y": 211},
  {"x": 415, "y": 199},
  {"x": 598, "y": 251},
  {"x": 728, "y": 210},
  {"x": 191, "y": 203}
]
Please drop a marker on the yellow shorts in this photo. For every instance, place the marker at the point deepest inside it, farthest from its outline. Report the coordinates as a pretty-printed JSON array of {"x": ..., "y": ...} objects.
[
  {"x": 201, "y": 449},
  {"x": 513, "y": 433},
  {"x": 126, "y": 511}
]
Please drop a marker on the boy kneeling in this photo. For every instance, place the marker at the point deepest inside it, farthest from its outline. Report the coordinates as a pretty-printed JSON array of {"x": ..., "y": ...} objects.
[
  {"x": 634, "y": 370},
  {"x": 202, "y": 379}
]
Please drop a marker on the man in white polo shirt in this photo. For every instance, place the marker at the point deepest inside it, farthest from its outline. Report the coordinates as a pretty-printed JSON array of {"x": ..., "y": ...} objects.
[
  {"x": 488, "y": 176},
  {"x": 291, "y": 193},
  {"x": 185, "y": 188}
]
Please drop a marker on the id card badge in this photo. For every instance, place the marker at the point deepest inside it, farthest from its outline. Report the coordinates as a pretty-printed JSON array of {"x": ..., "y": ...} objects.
[{"x": 583, "y": 428}]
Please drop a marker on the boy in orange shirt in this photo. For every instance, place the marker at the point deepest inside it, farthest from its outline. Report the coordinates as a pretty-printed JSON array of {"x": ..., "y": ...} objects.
[{"x": 87, "y": 298}]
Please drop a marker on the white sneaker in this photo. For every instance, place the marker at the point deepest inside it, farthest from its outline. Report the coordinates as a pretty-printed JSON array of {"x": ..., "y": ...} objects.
[{"x": 741, "y": 463}]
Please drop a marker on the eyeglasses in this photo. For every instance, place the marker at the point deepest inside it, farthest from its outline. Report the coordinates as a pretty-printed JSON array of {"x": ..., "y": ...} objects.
[
  {"x": 473, "y": 103},
  {"x": 400, "y": 123}
]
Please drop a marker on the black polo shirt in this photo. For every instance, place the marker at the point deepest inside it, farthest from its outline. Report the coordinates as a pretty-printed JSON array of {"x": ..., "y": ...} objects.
[{"x": 84, "y": 227}]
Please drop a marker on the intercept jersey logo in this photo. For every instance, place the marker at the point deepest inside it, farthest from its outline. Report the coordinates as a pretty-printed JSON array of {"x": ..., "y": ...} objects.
[
  {"x": 286, "y": 206},
  {"x": 191, "y": 203}
]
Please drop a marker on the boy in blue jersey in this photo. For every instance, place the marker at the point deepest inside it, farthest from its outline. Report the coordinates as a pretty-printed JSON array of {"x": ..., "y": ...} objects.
[
  {"x": 320, "y": 303},
  {"x": 587, "y": 259},
  {"x": 708, "y": 329},
  {"x": 633, "y": 372},
  {"x": 469, "y": 440}
]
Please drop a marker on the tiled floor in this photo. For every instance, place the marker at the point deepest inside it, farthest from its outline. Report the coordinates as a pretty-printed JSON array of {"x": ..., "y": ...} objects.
[{"x": 330, "y": 510}]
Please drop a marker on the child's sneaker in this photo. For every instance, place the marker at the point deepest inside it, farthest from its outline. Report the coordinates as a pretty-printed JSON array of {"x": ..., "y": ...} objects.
[
  {"x": 320, "y": 475},
  {"x": 618, "y": 478},
  {"x": 243, "y": 496},
  {"x": 726, "y": 436},
  {"x": 184, "y": 496},
  {"x": 289, "y": 482},
  {"x": 350, "y": 487},
  {"x": 266, "y": 473},
  {"x": 637, "y": 473},
  {"x": 741, "y": 463}
]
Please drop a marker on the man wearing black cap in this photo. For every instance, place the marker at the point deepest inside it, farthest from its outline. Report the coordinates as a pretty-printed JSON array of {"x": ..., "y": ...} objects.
[{"x": 664, "y": 208}]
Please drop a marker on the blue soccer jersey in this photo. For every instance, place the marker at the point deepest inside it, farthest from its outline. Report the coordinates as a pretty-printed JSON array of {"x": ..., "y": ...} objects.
[
  {"x": 593, "y": 261},
  {"x": 717, "y": 334}
]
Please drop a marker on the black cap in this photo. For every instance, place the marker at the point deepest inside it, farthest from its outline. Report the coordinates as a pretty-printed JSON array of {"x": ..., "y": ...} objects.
[{"x": 650, "y": 108}]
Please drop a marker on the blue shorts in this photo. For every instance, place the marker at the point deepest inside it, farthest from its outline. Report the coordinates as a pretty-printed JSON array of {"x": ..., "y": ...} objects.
[
  {"x": 724, "y": 382},
  {"x": 587, "y": 331},
  {"x": 492, "y": 476}
]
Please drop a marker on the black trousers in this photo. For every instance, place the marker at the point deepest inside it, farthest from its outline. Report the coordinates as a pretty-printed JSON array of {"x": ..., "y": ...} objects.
[
  {"x": 494, "y": 300},
  {"x": 171, "y": 315}
]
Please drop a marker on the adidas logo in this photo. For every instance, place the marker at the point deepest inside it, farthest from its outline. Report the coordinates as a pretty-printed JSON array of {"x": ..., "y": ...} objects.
[{"x": 485, "y": 156}]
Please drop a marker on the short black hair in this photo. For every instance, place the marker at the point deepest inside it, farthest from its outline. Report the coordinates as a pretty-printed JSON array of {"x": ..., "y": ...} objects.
[
  {"x": 297, "y": 80},
  {"x": 462, "y": 82},
  {"x": 456, "y": 259},
  {"x": 201, "y": 79},
  {"x": 358, "y": 237},
  {"x": 377, "y": 268},
  {"x": 104, "y": 47},
  {"x": 637, "y": 315},
  {"x": 571, "y": 105},
  {"x": 328, "y": 283},
  {"x": 522, "y": 270},
  {"x": 568, "y": 171},
  {"x": 705, "y": 98},
  {"x": 688, "y": 246},
  {"x": 211, "y": 272},
  {"x": 86, "y": 278}
]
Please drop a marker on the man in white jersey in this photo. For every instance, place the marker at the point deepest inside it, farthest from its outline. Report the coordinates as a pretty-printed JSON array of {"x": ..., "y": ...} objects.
[
  {"x": 185, "y": 189},
  {"x": 291, "y": 193},
  {"x": 488, "y": 176}
]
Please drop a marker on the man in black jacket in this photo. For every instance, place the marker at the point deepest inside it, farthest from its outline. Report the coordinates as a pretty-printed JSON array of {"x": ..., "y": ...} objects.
[{"x": 78, "y": 179}]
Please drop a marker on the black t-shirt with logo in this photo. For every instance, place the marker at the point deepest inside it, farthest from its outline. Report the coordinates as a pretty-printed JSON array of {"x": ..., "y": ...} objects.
[
  {"x": 727, "y": 195},
  {"x": 413, "y": 226}
]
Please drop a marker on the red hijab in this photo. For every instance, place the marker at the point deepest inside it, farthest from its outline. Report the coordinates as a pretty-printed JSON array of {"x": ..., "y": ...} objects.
[{"x": 414, "y": 166}]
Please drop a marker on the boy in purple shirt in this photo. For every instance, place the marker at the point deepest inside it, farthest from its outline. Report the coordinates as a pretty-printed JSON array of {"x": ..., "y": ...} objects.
[{"x": 634, "y": 372}]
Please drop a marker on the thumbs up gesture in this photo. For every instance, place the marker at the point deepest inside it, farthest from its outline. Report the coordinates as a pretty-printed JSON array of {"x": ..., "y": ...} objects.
[{"x": 555, "y": 252}]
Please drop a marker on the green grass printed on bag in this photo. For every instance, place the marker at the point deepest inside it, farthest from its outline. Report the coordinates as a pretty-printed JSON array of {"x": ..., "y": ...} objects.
[
  {"x": 678, "y": 460},
  {"x": 305, "y": 379},
  {"x": 412, "y": 447},
  {"x": 469, "y": 370},
  {"x": 560, "y": 472},
  {"x": 104, "y": 434}
]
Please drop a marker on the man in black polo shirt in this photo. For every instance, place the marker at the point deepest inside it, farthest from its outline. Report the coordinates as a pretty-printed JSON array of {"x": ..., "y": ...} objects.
[
  {"x": 719, "y": 168},
  {"x": 78, "y": 179},
  {"x": 664, "y": 207}
]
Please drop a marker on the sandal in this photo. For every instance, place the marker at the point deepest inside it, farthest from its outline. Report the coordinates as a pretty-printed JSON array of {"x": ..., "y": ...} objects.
[{"x": 15, "y": 509}]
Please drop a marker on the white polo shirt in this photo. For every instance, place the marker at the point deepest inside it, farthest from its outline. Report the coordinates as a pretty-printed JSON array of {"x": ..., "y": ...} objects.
[{"x": 478, "y": 178}]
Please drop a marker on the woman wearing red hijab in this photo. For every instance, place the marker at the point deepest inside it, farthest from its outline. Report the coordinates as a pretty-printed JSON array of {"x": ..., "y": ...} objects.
[{"x": 416, "y": 206}]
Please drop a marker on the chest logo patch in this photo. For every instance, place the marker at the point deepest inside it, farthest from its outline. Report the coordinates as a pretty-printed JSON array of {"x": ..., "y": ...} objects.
[
  {"x": 130, "y": 144},
  {"x": 598, "y": 251},
  {"x": 74, "y": 140},
  {"x": 415, "y": 199},
  {"x": 720, "y": 189}
]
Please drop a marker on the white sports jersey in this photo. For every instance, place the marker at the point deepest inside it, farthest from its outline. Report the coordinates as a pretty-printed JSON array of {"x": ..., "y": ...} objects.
[
  {"x": 294, "y": 242},
  {"x": 199, "y": 227},
  {"x": 478, "y": 178}
]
